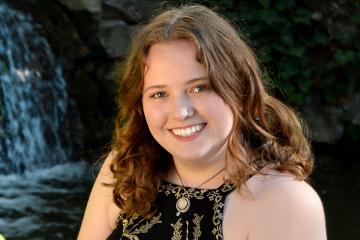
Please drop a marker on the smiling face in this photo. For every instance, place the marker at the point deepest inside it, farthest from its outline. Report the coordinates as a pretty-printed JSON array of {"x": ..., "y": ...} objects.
[{"x": 184, "y": 114}]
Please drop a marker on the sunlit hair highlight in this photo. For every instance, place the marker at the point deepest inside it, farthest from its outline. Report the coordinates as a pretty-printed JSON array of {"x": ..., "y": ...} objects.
[{"x": 266, "y": 132}]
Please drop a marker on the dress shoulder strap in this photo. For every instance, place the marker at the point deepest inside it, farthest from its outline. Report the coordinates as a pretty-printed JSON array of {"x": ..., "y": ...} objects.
[{"x": 226, "y": 189}]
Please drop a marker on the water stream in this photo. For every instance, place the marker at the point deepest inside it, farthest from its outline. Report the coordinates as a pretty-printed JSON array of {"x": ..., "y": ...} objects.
[
  {"x": 42, "y": 192},
  {"x": 33, "y": 98},
  {"x": 44, "y": 204}
]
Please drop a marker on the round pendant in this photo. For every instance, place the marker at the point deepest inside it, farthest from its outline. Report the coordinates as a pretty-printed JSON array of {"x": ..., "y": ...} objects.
[{"x": 183, "y": 204}]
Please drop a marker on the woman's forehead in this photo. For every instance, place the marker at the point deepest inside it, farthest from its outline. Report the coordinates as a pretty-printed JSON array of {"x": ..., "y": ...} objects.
[{"x": 173, "y": 59}]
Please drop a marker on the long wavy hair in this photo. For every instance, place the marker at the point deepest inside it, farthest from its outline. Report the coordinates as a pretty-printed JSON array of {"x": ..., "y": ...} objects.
[{"x": 266, "y": 132}]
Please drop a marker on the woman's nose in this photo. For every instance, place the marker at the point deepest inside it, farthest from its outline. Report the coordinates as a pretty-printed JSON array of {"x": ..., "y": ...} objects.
[
  {"x": 186, "y": 112},
  {"x": 182, "y": 108}
]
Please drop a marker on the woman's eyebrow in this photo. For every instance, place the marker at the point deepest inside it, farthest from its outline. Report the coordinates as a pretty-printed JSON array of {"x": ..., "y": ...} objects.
[{"x": 186, "y": 83}]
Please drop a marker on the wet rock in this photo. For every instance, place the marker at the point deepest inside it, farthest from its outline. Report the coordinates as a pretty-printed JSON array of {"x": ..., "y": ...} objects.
[
  {"x": 352, "y": 107},
  {"x": 325, "y": 122},
  {"x": 93, "y": 6},
  {"x": 114, "y": 37},
  {"x": 130, "y": 10}
]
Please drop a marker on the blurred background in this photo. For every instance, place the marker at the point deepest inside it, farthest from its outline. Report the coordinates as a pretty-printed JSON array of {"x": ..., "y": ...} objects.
[{"x": 57, "y": 98}]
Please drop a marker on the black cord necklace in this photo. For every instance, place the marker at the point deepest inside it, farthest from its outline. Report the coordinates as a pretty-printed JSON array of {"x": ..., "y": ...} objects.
[{"x": 183, "y": 203}]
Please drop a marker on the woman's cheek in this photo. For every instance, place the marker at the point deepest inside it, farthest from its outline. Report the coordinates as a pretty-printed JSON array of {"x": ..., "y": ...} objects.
[{"x": 154, "y": 115}]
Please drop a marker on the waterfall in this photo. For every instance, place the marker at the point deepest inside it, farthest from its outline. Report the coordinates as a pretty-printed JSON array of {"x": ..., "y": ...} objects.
[{"x": 33, "y": 98}]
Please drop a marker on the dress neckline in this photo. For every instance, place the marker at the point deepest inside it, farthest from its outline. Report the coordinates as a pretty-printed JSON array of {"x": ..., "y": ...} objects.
[{"x": 165, "y": 182}]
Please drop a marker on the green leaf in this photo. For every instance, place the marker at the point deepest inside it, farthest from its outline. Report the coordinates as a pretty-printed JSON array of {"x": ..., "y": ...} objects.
[
  {"x": 345, "y": 38},
  {"x": 288, "y": 39},
  {"x": 330, "y": 97},
  {"x": 302, "y": 16},
  {"x": 289, "y": 89},
  {"x": 265, "y": 3},
  {"x": 225, "y": 3},
  {"x": 298, "y": 98},
  {"x": 304, "y": 84},
  {"x": 353, "y": 131},
  {"x": 343, "y": 57},
  {"x": 288, "y": 70},
  {"x": 270, "y": 17},
  {"x": 320, "y": 39},
  {"x": 297, "y": 51},
  {"x": 355, "y": 18}
]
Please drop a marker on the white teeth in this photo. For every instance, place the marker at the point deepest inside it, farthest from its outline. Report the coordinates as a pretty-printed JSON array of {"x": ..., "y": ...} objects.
[{"x": 185, "y": 132}]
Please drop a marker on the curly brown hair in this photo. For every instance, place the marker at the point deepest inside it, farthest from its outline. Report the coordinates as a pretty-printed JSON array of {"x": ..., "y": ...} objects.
[{"x": 265, "y": 131}]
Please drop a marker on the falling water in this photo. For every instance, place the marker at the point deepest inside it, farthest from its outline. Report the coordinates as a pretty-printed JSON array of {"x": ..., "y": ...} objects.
[
  {"x": 33, "y": 98},
  {"x": 42, "y": 192}
]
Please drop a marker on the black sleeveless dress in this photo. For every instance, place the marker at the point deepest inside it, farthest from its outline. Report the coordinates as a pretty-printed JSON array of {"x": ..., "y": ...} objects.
[{"x": 202, "y": 220}]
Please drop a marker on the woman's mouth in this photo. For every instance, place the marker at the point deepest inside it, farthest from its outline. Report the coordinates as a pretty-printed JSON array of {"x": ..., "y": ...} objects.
[{"x": 189, "y": 131}]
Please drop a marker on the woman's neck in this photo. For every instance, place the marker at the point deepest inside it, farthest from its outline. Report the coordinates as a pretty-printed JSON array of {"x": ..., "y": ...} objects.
[{"x": 197, "y": 175}]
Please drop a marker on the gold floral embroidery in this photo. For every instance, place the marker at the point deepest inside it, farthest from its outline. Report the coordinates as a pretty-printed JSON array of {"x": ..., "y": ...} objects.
[
  {"x": 187, "y": 230},
  {"x": 135, "y": 226},
  {"x": 180, "y": 191},
  {"x": 197, "y": 229},
  {"x": 218, "y": 206},
  {"x": 144, "y": 228},
  {"x": 129, "y": 222},
  {"x": 177, "y": 230},
  {"x": 226, "y": 188}
]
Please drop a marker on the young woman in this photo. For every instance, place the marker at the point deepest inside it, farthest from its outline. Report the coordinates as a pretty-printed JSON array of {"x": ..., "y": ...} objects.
[{"x": 201, "y": 150}]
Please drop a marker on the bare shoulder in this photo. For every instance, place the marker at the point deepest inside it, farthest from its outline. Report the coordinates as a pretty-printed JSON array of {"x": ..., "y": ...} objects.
[
  {"x": 105, "y": 174},
  {"x": 280, "y": 207},
  {"x": 101, "y": 212},
  {"x": 283, "y": 187}
]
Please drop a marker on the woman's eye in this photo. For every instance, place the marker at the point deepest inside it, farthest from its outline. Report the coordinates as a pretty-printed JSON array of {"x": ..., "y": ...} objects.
[
  {"x": 158, "y": 95},
  {"x": 201, "y": 88}
]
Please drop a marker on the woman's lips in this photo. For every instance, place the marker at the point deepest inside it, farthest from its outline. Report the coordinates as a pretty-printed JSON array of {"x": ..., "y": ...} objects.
[{"x": 188, "y": 133}]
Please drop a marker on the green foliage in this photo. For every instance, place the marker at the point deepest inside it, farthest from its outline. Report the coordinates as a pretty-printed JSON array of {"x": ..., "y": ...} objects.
[{"x": 309, "y": 48}]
